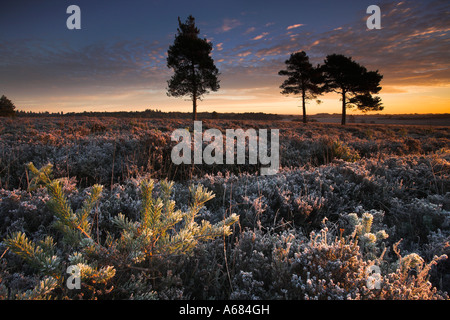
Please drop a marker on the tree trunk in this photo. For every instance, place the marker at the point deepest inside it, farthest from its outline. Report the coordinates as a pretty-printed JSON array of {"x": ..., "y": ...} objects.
[
  {"x": 194, "y": 93},
  {"x": 194, "y": 107},
  {"x": 344, "y": 108},
  {"x": 304, "y": 108}
]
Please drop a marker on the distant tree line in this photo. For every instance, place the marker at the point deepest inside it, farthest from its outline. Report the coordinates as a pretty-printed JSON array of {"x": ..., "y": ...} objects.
[
  {"x": 195, "y": 74},
  {"x": 157, "y": 114}
]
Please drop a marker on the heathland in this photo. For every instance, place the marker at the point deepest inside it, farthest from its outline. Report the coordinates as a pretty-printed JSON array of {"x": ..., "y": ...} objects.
[{"x": 360, "y": 211}]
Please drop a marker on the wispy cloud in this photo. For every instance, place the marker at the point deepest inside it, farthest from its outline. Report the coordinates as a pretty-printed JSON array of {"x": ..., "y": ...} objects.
[
  {"x": 294, "y": 26},
  {"x": 249, "y": 30},
  {"x": 244, "y": 54},
  {"x": 407, "y": 50},
  {"x": 229, "y": 24},
  {"x": 259, "y": 37},
  {"x": 47, "y": 67}
]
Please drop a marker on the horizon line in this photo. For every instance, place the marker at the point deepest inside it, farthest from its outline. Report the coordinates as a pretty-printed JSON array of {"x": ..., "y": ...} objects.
[{"x": 246, "y": 112}]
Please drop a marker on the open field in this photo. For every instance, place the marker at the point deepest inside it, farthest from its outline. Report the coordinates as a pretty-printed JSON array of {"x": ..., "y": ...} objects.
[{"x": 343, "y": 199}]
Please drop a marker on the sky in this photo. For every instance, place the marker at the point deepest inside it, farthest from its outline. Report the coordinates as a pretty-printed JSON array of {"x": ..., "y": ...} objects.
[{"x": 117, "y": 60}]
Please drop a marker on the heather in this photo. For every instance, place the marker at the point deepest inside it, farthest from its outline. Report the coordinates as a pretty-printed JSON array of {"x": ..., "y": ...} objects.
[{"x": 346, "y": 199}]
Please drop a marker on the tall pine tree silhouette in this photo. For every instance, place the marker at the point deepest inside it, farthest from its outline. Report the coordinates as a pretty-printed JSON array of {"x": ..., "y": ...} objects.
[
  {"x": 303, "y": 79},
  {"x": 194, "y": 70}
]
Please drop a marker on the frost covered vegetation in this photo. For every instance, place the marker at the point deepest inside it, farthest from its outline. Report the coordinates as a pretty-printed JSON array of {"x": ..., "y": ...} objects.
[{"x": 346, "y": 200}]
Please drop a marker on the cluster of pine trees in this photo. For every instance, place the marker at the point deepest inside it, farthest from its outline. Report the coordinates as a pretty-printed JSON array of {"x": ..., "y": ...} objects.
[
  {"x": 339, "y": 74},
  {"x": 195, "y": 74}
]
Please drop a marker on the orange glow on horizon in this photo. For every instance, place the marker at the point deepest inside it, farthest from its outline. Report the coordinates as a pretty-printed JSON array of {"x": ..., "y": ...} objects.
[{"x": 400, "y": 100}]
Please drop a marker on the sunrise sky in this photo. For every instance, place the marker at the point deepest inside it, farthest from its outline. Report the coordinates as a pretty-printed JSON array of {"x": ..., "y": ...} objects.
[{"x": 117, "y": 61}]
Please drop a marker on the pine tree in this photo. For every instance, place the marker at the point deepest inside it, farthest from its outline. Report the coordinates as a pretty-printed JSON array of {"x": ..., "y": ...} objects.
[
  {"x": 161, "y": 232},
  {"x": 353, "y": 82},
  {"x": 303, "y": 79},
  {"x": 190, "y": 58},
  {"x": 6, "y": 107},
  {"x": 164, "y": 231}
]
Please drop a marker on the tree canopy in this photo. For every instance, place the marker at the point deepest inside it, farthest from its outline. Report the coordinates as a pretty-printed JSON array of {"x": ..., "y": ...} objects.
[
  {"x": 194, "y": 71},
  {"x": 353, "y": 82}
]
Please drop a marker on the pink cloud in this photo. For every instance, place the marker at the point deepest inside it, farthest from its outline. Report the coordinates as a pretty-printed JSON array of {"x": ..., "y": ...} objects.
[
  {"x": 262, "y": 35},
  {"x": 294, "y": 26}
]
